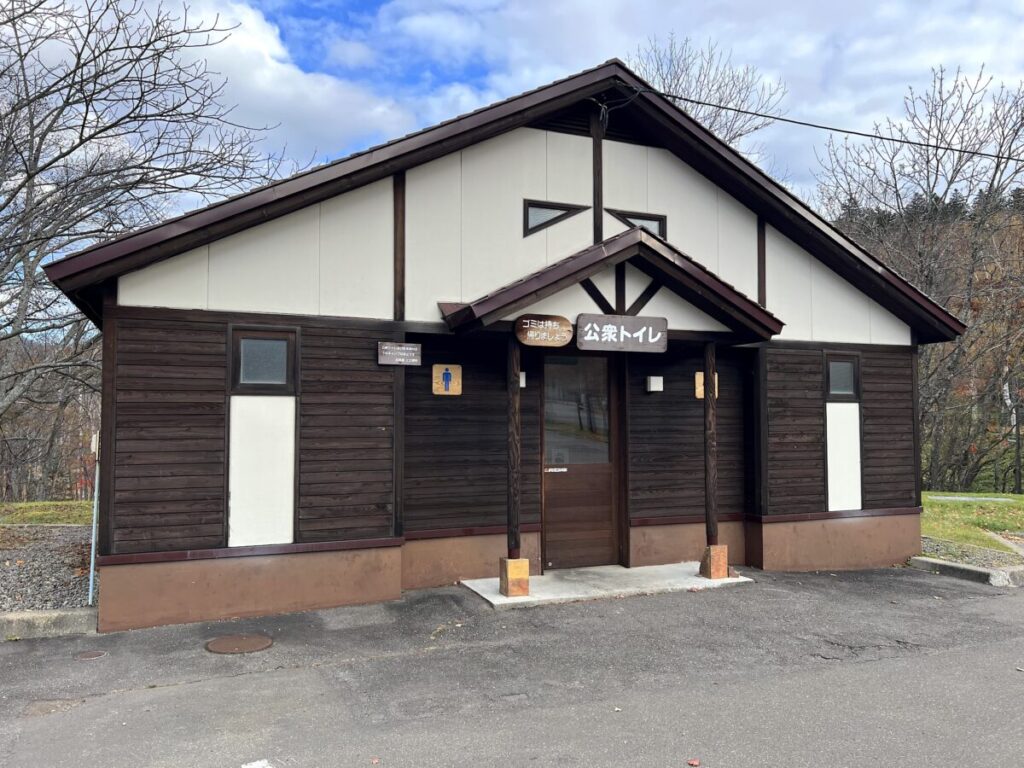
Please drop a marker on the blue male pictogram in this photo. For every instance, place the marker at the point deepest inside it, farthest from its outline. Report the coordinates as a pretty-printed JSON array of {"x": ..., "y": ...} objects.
[{"x": 446, "y": 379}]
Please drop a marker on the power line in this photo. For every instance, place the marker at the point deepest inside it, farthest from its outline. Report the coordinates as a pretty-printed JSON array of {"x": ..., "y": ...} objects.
[{"x": 831, "y": 128}]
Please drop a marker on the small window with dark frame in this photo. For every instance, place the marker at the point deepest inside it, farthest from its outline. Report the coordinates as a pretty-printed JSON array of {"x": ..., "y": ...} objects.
[
  {"x": 539, "y": 214},
  {"x": 655, "y": 223},
  {"x": 842, "y": 377},
  {"x": 263, "y": 361}
]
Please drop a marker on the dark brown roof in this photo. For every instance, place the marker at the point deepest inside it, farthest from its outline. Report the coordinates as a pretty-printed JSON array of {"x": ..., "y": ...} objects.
[
  {"x": 644, "y": 250},
  {"x": 79, "y": 275}
]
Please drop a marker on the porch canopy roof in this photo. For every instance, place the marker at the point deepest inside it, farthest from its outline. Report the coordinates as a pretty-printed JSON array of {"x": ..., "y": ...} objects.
[{"x": 666, "y": 265}]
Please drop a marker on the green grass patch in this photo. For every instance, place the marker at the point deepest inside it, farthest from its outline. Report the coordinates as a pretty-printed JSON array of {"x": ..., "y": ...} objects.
[
  {"x": 46, "y": 513},
  {"x": 965, "y": 522}
]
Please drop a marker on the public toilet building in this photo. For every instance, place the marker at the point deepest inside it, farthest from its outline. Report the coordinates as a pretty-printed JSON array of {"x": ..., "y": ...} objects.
[{"x": 572, "y": 325}]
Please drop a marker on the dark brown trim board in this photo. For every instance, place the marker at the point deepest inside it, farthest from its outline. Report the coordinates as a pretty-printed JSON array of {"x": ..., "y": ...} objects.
[
  {"x": 267, "y": 549},
  {"x": 515, "y": 447},
  {"x": 597, "y": 131},
  {"x": 644, "y": 298},
  {"x": 108, "y": 433},
  {"x": 596, "y": 296},
  {"x": 710, "y": 445}
]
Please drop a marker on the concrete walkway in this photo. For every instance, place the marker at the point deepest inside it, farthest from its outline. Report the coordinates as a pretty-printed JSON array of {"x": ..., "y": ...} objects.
[{"x": 574, "y": 584}]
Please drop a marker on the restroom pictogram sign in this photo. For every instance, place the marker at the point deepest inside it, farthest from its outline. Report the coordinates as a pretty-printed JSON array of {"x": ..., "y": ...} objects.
[{"x": 447, "y": 379}]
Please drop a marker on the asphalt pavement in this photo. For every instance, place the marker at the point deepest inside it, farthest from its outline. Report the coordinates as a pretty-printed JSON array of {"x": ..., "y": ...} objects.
[{"x": 885, "y": 668}]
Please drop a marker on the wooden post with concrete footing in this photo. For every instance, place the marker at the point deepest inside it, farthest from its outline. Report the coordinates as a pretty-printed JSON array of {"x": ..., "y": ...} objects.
[
  {"x": 715, "y": 563},
  {"x": 514, "y": 570}
]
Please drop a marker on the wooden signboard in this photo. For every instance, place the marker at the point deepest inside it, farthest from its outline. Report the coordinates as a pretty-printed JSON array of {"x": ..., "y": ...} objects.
[
  {"x": 543, "y": 330},
  {"x": 622, "y": 333},
  {"x": 447, "y": 379},
  {"x": 398, "y": 353}
]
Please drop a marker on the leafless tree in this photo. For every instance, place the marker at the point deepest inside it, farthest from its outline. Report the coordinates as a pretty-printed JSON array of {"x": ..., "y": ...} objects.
[
  {"x": 109, "y": 120},
  {"x": 708, "y": 74},
  {"x": 945, "y": 210}
]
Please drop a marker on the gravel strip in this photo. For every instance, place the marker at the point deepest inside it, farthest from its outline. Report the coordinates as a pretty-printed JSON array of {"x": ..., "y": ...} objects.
[
  {"x": 968, "y": 553},
  {"x": 43, "y": 566}
]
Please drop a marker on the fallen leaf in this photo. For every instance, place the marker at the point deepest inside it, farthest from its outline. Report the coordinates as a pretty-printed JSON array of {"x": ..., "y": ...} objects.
[
  {"x": 695, "y": 762},
  {"x": 617, "y": 709},
  {"x": 19, "y": 562},
  {"x": 374, "y": 761}
]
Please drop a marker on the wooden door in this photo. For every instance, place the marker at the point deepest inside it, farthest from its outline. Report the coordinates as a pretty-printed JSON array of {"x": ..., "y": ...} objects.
[{"x": 580, "y": 525}]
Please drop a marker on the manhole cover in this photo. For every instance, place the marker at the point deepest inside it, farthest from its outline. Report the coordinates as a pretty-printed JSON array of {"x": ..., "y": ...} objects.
[
  {"x": 90, "y": 655},
  {"x": 239, "y": 644}
]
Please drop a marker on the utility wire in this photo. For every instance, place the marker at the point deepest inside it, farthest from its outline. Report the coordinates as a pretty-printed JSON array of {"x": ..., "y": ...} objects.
[{"x": 833, "y": 129}]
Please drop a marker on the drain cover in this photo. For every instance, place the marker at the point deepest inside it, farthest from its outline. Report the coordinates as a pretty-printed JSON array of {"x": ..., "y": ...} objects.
[
  {"x": 239, "y": 644},
  {"x": 90, "y": 655}
]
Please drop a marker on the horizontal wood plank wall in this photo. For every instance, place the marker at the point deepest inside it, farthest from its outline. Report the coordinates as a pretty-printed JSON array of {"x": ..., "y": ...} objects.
[
  {"x": 170, "y": 452},
  {"x": 666, "y": 435},
  {"x": 887, "y": 413},
  {"x": 346, "y": 434},
  {"x": 455, "y": 447},
  {"x": 796, "y": 432}
]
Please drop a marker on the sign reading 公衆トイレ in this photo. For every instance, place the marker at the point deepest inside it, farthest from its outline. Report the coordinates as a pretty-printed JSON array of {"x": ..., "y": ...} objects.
[{"x": 621, "y": 333}]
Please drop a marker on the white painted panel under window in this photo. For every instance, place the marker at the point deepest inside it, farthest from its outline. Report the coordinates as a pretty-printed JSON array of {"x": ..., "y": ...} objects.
[
  {"x": 261, "y": 470},
  {"x": 357, "y": 252},
  {"x": 497, "y": 175},
  {"x": 179, "y": 282},
  {"x": 843, "y": 449},
  {"x": 433, "y": 237},
  {"x": 273, "y": 267}
]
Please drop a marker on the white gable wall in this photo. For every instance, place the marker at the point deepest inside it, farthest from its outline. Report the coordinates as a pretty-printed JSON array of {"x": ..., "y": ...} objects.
[
  {"x": 464, "y": 239},
  {"x": 818, "y": 305},
  {"x": 332, "y": 258}
]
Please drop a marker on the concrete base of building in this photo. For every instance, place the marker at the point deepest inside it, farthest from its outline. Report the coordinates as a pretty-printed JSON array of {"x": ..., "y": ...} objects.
[
  {"x": 444, "y": 561},
  {"x": 152, "y": 594},
  {"x": 849, "y": 543},
  {"x": 684, "y": 542}
]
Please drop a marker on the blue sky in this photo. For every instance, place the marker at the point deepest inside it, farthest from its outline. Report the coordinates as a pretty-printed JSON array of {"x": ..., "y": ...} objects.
[{"x": 335, "y": 76}]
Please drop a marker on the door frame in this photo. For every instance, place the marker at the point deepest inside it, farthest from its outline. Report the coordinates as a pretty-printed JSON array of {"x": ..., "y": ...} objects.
[{"x": 618, "y": 443}]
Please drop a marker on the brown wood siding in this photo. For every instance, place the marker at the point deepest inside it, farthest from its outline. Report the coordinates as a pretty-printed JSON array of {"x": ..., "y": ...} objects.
[
  {"x": 456, "y": 453},
  {"x": 666, "y": 435},
  {"x": 796, "y": 431},
  {"x": 170, "y": 419},
  {"x": 346, "y": 434},
  {"x": 888, "y": 458}
]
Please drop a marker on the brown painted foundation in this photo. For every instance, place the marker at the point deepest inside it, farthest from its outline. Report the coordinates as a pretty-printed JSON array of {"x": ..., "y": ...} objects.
[
  {"x": 438, "y": 562},
  {"x": 847, "y": 543},
  {"x": 662, "y": 544},
  {"x": 152, "y": 594}
]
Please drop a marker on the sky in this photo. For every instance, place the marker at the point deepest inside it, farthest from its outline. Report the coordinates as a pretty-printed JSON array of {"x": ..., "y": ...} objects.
[{"x": 335, "y": 76}]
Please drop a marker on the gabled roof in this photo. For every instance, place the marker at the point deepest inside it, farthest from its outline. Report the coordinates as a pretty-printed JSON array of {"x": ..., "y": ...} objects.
[
  {"x": 647, "y": 252},
  {"x": 81, "y": 274}
]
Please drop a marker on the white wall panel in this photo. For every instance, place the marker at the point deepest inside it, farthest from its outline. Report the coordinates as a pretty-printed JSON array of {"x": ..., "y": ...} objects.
[
  {"x": 788, "y": 285},
  {"x": 843, "y": 447},
  {"x": 357, "y": 252},
  {"x": 261, "y": 470},
  {"x": 839, "y": 312},
  {"x": 179, "y": 282},
  {"x": 625, "y": 176},
  {"x": 568, "y": 303},
  {"x": 690, "y": 203},
  {"x": 681, "y": 315},
  {"x": 497, "y": 175},
  {"x": 570, "y": 168},
  {"x": 433, "y": 237},
  {"x": 886, "y": 328},
  {"x": 273, "y": 267},
  {"x": 737, "y": 244}
]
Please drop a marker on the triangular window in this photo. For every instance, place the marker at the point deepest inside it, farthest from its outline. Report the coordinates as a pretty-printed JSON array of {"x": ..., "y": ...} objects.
[
  {"x": 538, "y": 214},
  {"x": 652, "y": 222}
]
